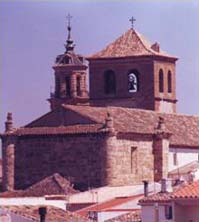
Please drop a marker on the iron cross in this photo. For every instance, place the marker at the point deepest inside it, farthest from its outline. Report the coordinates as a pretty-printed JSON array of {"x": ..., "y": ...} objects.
[
  {"x": 132, "y": 20},
  {"x": 69, "y": 17}
]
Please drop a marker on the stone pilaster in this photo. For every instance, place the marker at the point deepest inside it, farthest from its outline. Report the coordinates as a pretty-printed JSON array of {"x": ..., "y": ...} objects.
[
  {"x": 161, "y": 151},
  {"x": 109, "y": 176},
  {"x": 8, "y": 153}
]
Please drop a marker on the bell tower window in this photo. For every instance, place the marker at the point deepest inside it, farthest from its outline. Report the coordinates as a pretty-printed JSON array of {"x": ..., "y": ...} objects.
[
  {"x": 67, "y": 79},
  {"x": 161, "y": 81},
  {"x": 78, "y": 86},
  {"x": 169, "y": 82},
  {"x": 133, "y": 82},
  {"x": 57, "y": 87},
  {"x": 109, "y": 83}
]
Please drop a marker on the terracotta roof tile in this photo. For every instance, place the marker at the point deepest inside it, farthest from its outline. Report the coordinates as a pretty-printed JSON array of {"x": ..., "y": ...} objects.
[
  {"x": 131, "y": 43},
  {"x": 107, "y": 205},
  {"x": 52, "y": 185},
  {"x": 145, "y": 121},
  {"x": 134, "y": 215},
  {"x": 75, "y": 129},
  {"x": 185, "y": 191},
  {"x": 126, "y": 120},
  {"x": 53, "y": 213}
]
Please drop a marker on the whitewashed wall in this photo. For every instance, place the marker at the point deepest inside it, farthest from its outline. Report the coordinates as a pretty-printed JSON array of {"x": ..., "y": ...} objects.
[
  {"x": 184, "y": 156},
  {"x": 32, "y": 201}
]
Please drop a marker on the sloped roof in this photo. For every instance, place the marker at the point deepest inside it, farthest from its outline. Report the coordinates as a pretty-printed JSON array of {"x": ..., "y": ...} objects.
[
  {"x": 131, "y": 43},
  {"x": 134, "y": 215},
  {"x": 185, "y": 191},
  {"x": 107, "y": 205},
  {"x": 128, "y": 120},
  {"x": 185, "y": 169},
  {"x": 184, "y": 128},
  {"x": 52, "y": 185},
  {"x": 53, "y": 213}
]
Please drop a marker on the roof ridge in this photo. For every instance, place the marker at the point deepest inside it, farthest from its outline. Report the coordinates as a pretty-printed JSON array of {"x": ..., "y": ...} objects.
[
  {"x": 140, "y": 37},
  {"x": 56, "y": 177}
]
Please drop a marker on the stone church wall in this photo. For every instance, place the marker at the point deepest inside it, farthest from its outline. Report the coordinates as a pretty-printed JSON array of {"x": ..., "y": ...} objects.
[
  {"x": 78, "y": 158},
  {"x": 129, "y": 160}
]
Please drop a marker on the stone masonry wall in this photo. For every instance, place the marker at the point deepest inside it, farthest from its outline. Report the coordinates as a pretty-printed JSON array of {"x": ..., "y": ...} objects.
[
  {"x": 129, "y": 160},
  {"x": 75, "y": 157},
  {"x": 144, "y": 98}
]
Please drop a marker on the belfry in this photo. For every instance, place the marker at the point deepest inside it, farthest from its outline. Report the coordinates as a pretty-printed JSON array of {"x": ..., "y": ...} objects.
[{"x": 121, "y": 130}]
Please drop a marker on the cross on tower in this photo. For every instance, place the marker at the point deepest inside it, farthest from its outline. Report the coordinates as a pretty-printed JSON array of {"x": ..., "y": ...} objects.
[
  {"x": 132, "y": 20},
  {"x": 69, "y": 17}
]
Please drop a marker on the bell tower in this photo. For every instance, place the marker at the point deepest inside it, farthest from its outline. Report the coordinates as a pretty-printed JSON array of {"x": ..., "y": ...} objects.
[{"x": 70, "y": 76}]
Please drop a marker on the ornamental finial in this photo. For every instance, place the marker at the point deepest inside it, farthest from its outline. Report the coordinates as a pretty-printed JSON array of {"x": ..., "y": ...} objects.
[{"x": 69, "y": 43}]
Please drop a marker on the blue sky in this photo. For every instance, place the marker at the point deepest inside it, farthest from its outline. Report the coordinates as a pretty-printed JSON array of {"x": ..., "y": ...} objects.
[{"x": 32, "y": 33}]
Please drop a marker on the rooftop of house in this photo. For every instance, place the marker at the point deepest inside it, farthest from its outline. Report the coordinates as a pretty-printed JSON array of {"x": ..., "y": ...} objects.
[
  {"x": 53, "y": 213},
  {"x": 131, "y": 43},
  {"x": 188, "y": 168},
  {"x": 52, "y": 185},
  {"x": 185, "y": 191},
  {"x": 109, "y": 205},
  {"x": 77, "y": 119},
  {"x": 134, "y": 215}
]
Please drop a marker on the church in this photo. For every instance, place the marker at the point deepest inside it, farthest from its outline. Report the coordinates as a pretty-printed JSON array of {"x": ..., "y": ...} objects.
[{"x": 122, "y": 130}]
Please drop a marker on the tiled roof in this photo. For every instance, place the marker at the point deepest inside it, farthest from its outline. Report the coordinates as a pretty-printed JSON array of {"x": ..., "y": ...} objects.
[
  {"x": 131, "y": 43},
  {"x": 185, "y": 191},
  {"x": 145, "y": 121},
  {"x": 188, "y": 168},
  {"x": 87, "y": 119},
  {"x": 52, "y": 185},
  {"x": 53, "y": 213},
  {"x": 75, "y": 129},
  {"x": 107, "y": 205},
  {"x": 134, "y": 215}
]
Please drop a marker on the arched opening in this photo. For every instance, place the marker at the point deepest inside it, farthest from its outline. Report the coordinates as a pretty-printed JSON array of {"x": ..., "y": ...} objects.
[
  {"x": 169, "y": 82},
  {"x": 109, "y": 83},
  {"x": 57, "y": 87},
  {"x": 133, "y": 82},
  {"x": 78, "y": 86},
  {"x": 67, "y": 79},
  {"x": 161, "y": 81}
]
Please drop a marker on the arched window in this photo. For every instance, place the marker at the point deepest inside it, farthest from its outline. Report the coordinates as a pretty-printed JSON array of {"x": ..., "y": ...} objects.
[
  {"x": 169, "y": 82},
  {"x": 67, "y": 79},
  {"x": 78, "y": 86},
  {"x": 161, "y": 81},
  {"x": 109, "y": 82},
  {"x": 57, "y": 87},
  {"x": 133, "y": 85}
]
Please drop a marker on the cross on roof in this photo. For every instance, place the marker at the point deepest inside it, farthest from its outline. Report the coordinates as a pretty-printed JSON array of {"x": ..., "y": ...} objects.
[
  {"x": 69, "y": 17},
  {"x": 132, "y": 20}
]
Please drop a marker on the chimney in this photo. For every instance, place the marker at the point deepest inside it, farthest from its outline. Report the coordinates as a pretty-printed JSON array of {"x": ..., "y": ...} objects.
[
  {"x": 163, "y": 186},
  {"x": 156, "y": 47},
  {"x": 42, "y": 213},
  {"x": 9, "y": 123},
  {"x": 146, "y": 188}
]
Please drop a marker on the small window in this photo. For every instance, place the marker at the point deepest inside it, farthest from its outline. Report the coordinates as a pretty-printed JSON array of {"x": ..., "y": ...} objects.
[
  {"x": 175, "y": 159},
  {"x": 169, "y": 82},
  {"x": 134, "y": 160},
  {"x": 67, "y": 79},
  {"x": 109, "y": 82},
  {"x": 78, "y": 86},
  {"x": 161, "y": 81},
  {"x": 168, "y": 212},
  {"x": 132, "y": 82}
]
